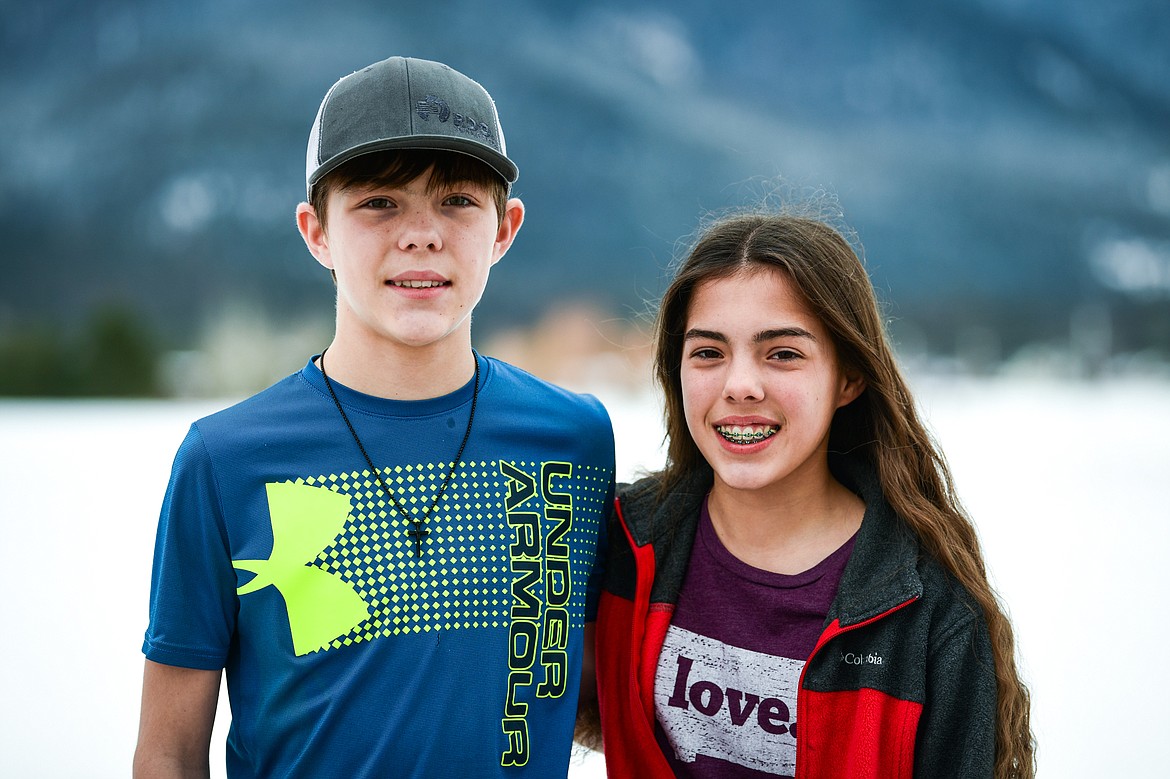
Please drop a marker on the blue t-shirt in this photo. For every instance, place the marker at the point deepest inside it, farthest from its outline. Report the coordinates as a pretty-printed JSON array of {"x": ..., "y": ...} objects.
[{"x": 280, "y": 559}]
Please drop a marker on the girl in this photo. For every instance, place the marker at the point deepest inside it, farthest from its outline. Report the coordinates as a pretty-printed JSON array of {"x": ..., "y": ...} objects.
[{"x": 799, "y": 592}]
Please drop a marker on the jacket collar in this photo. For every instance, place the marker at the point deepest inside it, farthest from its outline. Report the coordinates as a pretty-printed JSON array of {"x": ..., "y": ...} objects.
[
  {"x": 881, "y": 573},
  {"x": 668, "y": 523}
]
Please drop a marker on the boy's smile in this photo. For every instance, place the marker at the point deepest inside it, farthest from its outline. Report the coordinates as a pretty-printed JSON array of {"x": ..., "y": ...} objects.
[
  {"x": 411, "y": 262},
  {"x": 419, "y": 281}
]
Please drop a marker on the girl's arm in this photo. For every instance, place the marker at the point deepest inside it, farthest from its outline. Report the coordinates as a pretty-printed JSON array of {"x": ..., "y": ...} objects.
[{"x": 956, "y": 735}]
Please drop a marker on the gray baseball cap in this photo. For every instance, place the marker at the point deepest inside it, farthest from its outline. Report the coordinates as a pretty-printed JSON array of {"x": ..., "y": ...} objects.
[{"x": 405, "y": 103}]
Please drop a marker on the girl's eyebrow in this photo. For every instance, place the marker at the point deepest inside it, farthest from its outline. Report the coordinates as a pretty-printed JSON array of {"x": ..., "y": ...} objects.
[
  {"x": 710, "y": 335},
  {"x": 760, "y": 337},
  {"x": 783, "y": 332}
]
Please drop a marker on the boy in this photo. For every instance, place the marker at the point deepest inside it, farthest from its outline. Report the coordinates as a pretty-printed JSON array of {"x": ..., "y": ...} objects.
[{"x": 391, "y": 551}]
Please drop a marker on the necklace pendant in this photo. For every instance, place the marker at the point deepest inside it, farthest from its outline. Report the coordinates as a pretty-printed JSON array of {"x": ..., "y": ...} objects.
[{"x": 418, "y": 533}]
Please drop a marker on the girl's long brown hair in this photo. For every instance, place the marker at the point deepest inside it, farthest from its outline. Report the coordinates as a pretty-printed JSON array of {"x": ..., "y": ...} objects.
[{"x": 882, "y": 424}]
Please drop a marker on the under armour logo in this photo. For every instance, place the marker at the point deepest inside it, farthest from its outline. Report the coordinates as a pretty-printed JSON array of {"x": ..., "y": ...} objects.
[
  {"x": 320, "y": 606},
  {"x": 431, "y": 105}
]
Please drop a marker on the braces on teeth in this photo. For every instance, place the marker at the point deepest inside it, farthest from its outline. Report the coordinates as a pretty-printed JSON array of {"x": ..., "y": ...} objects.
[{"x": 746, "y": 437}]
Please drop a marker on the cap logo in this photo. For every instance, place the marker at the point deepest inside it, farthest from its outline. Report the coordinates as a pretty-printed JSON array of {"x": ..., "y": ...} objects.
[
  {"x": 436, "y": 106},
  {"x": 431, "y": 105}
]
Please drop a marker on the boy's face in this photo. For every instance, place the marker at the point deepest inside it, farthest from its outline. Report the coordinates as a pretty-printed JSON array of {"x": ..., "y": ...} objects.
[{"x": 411, "y": 262}]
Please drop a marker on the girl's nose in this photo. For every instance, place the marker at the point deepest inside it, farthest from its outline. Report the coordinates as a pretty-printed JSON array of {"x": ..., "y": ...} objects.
[{"x": 743, "y": 381}]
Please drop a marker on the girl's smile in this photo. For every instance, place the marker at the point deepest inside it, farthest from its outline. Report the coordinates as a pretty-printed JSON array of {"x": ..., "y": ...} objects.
[{"x": 740, "y": 434}]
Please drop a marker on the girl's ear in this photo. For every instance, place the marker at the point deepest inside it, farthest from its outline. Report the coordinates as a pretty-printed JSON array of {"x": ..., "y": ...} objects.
[{"x": 852, "y": 385}]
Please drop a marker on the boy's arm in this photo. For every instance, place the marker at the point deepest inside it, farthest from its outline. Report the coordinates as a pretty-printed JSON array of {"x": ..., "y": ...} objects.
[
  {"x": 174, "y": 732},
  {"x": 588, "y": 730}
]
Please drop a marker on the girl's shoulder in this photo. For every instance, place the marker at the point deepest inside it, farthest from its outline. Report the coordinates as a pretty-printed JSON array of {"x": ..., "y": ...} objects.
[
  {"x": 655, "y": 502},
  {"x": 950, "y": 604}
]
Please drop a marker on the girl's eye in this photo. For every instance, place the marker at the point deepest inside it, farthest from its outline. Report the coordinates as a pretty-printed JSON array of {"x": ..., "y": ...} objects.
[
  {"x": 784, "y": 355},
  {"x": 705, "y": 354}
]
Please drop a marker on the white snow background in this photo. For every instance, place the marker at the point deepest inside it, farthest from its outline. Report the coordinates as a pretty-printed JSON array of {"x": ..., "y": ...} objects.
[{"x": 1069, "y": 483}]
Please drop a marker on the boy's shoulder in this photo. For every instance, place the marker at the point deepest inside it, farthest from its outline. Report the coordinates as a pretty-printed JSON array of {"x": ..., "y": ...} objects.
[
  {"x": 526, "y": 387},
  {"x": 275, "y": 405}
]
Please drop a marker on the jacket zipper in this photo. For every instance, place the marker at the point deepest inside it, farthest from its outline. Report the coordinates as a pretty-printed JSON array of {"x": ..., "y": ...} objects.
[{"x": 821, "y": 644}]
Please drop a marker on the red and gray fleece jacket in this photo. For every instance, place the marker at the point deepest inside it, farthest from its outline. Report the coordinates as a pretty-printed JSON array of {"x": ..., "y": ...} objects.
[{"x": 901, "y": 682}]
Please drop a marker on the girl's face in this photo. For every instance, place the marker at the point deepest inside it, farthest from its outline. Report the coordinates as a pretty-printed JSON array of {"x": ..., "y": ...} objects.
[{"x": 760, "y": 382}]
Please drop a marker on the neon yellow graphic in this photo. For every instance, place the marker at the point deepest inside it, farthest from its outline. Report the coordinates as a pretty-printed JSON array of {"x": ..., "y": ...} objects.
[
  {"x": 523, "y": 631},
  {"x": 558, "y": 578},
  {"x": 482, "y": 569},
  {"x": 321, "y": 607}
]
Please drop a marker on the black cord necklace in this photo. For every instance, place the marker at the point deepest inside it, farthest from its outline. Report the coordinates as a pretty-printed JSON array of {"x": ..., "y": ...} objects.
[{"x": 418, "y": 533}]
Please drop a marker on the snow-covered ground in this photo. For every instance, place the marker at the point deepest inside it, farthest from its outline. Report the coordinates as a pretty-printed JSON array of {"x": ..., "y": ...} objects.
[{"x": 1069, "y": 483}]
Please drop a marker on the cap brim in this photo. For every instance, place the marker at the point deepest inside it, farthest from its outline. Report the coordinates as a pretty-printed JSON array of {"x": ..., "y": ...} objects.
[{"x": 496, "y": 161}]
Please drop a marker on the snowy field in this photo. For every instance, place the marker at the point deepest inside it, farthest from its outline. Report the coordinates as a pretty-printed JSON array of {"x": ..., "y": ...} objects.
[{"x": 1069, "y": 483}]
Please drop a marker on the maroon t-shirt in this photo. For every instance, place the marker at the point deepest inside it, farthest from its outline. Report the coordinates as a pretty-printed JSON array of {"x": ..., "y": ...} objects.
[{"x": 725, "y": 688}]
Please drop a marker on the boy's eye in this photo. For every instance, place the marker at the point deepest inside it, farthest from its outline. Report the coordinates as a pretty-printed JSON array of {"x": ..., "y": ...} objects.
[
  {"x": 379, "y": 203},
  {"x": 459, "y": 200}
]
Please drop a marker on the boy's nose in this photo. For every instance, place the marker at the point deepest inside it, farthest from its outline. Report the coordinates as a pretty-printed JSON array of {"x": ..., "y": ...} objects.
[{"x": 420, "y": 231}]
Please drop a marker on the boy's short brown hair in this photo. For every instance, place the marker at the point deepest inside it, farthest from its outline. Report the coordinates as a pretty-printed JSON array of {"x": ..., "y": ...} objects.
[{"x": 399, "y": 167}]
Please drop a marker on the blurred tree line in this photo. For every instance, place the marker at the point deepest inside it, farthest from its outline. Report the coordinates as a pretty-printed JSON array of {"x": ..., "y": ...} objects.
[{"x": 114, "y": 354}]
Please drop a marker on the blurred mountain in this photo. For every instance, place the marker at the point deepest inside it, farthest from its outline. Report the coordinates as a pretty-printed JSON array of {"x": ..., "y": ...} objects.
[{"x": 1005, "y": 163}]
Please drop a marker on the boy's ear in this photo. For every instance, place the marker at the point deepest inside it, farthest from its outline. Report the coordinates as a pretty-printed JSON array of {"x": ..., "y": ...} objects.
[
  {"x": 509, "y": 226},
  {"x": 313, "y": 233}
]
